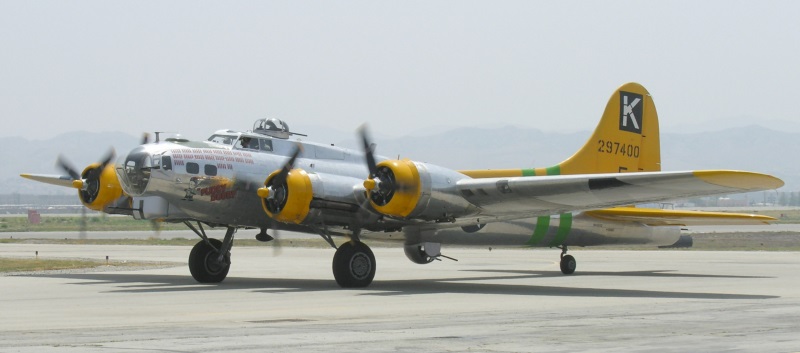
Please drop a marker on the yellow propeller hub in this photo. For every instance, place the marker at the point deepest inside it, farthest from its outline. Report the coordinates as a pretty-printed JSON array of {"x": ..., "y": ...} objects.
[
  {"x": 370, "y": 184},
  {"x": 263, "y": 192},
  {"x": 78, "y": 184}
]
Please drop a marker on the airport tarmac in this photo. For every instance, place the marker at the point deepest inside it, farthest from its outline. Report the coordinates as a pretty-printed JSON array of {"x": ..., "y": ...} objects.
[{"x": 509, "y": 300}]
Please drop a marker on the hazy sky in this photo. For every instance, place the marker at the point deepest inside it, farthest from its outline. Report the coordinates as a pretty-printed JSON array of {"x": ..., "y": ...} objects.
[{"x": 402, "y": 66}]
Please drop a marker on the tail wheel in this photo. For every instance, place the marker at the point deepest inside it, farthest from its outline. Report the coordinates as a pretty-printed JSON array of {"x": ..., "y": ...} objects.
[
  {"x": 354, "y": 265},
  {"x": 204, "y": 263}
]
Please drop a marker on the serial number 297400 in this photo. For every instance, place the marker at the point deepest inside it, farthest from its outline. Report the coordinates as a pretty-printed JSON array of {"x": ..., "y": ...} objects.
[{"x": 612, "y": 147}]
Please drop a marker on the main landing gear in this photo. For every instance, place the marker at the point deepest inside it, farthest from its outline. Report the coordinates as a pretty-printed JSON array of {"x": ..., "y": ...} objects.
[
  {"x": 354, "y": 265},
  {"x": 568, "y": 263},
  {"x": 210, "y": 259}
]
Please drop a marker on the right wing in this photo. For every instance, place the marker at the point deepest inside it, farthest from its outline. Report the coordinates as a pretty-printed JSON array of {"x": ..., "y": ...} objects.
[{"x": 523, "y": 197}]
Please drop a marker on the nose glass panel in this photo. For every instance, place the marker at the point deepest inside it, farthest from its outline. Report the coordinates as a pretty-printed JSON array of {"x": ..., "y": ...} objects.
[{"x": 135, "y": 171}]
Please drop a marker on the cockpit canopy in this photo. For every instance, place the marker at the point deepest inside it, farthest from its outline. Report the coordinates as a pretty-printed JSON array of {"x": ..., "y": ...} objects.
[{"x": 272, "y": 127}]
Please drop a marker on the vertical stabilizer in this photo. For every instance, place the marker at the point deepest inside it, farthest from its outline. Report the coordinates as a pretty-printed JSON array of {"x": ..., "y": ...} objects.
[{"x": 626, "y": 140}]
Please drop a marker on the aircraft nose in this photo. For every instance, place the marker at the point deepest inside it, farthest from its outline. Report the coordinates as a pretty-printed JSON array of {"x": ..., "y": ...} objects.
[{"x": 133, "y": 171}]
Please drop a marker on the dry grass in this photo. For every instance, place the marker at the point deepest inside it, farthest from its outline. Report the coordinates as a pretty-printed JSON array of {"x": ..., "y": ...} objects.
[{"x": 27, "y": 265}]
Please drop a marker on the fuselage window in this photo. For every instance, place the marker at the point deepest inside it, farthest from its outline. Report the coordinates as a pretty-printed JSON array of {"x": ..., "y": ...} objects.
[
  {"x": 192, "y": 168},
  {"x": 210, "y": 170},
  {"x": 166, "y": 162}
]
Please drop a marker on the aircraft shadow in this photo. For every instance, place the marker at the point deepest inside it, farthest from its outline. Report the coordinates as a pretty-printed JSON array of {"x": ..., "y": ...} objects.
[
  {"x": 150, "y": 283},
  {"x": 655, "y": 274}
]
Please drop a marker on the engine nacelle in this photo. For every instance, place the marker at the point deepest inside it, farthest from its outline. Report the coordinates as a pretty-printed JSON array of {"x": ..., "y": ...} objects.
[
  {"x": 97, "y": 192},
  {"x": 408, "y": 189},
  {"x": 291, "y": 201}
]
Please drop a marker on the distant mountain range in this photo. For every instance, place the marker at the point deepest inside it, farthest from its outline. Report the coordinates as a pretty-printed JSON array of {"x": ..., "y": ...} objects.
[{"x": 752, "y": 148}]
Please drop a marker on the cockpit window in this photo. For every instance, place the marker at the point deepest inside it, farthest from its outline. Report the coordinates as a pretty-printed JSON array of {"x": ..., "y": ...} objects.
[
  {"x": 266, "y": 145},
  {"x": 249, "y": 143},
  {"x": 223, "y": 139}
]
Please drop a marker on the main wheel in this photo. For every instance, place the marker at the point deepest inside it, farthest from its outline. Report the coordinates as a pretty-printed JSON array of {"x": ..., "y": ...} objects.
[
  {"x": 353, "y": 265},
  {"x": 568, "y": 264},
  {"x": 204, "y": 262}
]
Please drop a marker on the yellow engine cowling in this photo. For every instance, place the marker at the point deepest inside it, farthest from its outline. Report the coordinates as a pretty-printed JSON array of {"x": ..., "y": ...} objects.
[
  {"x": 407, "y": 192},
  {"x": 296, "y": 203},
  {"x": 106, "y": 192}
]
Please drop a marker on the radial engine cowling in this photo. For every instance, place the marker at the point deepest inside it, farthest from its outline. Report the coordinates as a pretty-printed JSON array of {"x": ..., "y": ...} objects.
[
  {"x": 99, "y": 186},
  {"x": 290, "y": 201},
  {"x": 408, "y": 189}
]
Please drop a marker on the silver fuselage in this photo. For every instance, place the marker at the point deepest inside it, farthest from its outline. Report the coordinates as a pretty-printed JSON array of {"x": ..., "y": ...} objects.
[{"x": 216, "y": 182}]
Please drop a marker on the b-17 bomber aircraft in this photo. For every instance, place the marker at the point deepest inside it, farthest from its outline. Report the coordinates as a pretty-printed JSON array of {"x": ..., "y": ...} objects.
[{"x": 262, "y": 179}]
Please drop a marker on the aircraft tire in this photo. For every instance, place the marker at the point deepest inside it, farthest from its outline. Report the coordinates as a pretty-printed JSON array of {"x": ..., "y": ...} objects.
[
  {"x": 203, "y": 263},
  {"x": 568, "y": 264},
  {"x": 354, "y": 265}
]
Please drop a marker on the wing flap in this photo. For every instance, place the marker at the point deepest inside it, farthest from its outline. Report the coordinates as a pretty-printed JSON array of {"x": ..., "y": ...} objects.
[
  {"x": 659, "y": 217},
  {"x": 532, "y": 196}
]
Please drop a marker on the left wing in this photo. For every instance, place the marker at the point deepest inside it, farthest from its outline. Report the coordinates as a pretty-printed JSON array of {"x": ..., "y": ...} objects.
[
  {"x": 60, "y": 180},
  {"x": 519, "y": 197}
]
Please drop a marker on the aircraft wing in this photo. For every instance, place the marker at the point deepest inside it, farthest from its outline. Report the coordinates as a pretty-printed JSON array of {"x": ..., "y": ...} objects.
[
  {"x": 659, "y": 217},
  {"x": 60, "y": 180},
  {"x": 544, "y": 195}
]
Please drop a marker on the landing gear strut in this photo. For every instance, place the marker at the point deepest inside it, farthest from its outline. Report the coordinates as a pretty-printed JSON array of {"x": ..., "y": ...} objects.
[
  {"x": 210, "y": 259},
  {"x": 354, "y": 265},
  {"x": 568, "y": 262}
]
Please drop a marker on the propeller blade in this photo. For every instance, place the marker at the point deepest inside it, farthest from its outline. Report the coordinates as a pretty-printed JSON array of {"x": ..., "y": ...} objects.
[
  {"x": 368, "y": 151},
  {"x": 287, "y": 167},
  {"x": 84, "y": 224},
  {"x": 156, "y": 226},
  {"x": 110, "y": 156},
  {"x": 276, "y": 243},
  {"x": 67, "y": 167},
  {"x": 145, "y": 138}
]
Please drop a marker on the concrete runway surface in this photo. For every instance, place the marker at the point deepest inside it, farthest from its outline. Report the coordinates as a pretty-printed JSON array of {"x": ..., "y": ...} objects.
[{"x": 510, "y": 300}]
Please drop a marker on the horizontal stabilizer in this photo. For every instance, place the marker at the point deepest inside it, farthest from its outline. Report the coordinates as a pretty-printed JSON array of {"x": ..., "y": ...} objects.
[{"x": 659, "y": 217}]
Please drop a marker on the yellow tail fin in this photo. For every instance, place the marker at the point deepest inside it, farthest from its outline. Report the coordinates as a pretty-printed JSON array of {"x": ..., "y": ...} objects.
[{"x": 625, "y": 140}]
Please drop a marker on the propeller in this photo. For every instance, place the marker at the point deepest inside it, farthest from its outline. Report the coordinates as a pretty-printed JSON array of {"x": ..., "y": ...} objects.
[
  {"x": 381, "y": 182},
  {"x": 276, "y": 192},
  {"x": 145, "y": 138},
  {"x": 88, "y": 184}
]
